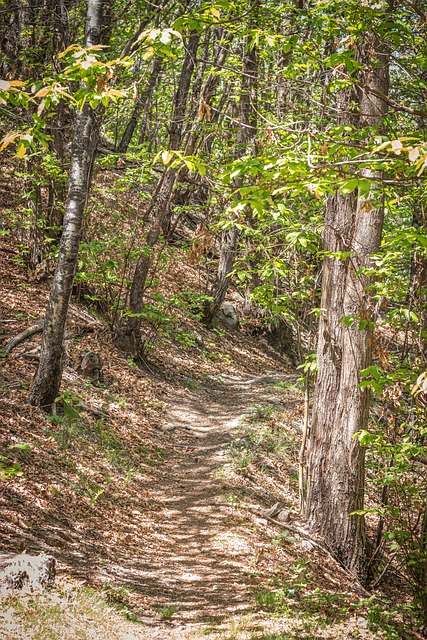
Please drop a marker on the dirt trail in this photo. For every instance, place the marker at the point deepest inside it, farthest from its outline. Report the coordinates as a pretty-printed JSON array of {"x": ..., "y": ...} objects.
[{"x": 200, "y": 561}]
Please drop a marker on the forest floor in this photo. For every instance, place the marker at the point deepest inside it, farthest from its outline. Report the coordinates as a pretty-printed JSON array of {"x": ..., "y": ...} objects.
[{"x": 151, "y": 491}]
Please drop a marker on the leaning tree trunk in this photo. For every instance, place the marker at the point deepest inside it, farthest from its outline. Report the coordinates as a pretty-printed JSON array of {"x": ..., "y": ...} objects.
[
  {"x": 246, "y": 134},
  {"x": 202, "y": 99},
  {"x": 130, "y": 336},
  {"x": 335, "y": 482},
  {"x": 142, "y": 104},
  {"x": 48, "y": 376}
]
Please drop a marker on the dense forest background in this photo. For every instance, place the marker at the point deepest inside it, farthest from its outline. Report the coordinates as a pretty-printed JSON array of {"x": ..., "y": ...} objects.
[{"x": 273, "y": 155}]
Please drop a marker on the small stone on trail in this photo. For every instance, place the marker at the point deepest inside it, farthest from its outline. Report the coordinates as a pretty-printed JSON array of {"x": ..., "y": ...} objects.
[
  {"x": 216, "y": 379},
  {"x": 362, "y": 623},
  {"x": 310, "y": 546},
  {"x": 199, "y": 341}
]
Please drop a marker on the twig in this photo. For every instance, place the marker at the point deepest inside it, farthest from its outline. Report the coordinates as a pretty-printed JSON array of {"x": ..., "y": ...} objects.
[
  {"x": 420, "y": 12},
  {"x": 383, "y": 572},
  {"x": 7, "y": 250},
  {"x": 396, "y": 105}
]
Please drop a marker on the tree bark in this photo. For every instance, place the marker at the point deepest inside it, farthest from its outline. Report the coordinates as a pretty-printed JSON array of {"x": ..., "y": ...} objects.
[
  {"x": 246, "y": 135},
  {"x": 158, "y": 211},
  {"x": 141, "y": 105},
  {"x": 48, "y": 376},
  {"x": 202, "y": 98},
  {"x": 335, "y": 482}
]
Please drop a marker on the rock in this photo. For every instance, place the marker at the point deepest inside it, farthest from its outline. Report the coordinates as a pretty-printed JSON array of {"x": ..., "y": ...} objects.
[
  {"x": 283, "y": 516},
  {"x": 307, "y": 544},
  {"x": 275, "y": 401},
  {"x": 228, "y": 315},
  {"x": 262, "y": 380},
  {"x": 22, "y": 571},
  {"x": 198, "y": 339},
  {"x": 362, "y": 623},
  {"x": 275, "y": 509}
]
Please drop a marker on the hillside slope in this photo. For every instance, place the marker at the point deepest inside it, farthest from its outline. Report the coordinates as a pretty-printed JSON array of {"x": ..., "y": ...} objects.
[{"x": 150, "y": 488}]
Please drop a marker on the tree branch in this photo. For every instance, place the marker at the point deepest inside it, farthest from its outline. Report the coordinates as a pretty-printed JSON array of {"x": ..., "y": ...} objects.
[{"x": 24, "y": 335}]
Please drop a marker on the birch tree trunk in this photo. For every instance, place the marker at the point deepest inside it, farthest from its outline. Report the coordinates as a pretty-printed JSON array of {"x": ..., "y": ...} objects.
[
  {"x": 47, "y": 380},
  {"x": 335, "y": 482}
]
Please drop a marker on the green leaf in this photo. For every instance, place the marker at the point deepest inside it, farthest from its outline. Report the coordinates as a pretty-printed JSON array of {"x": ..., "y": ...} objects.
[
  {"x": 24, "y": 446},
  {"x": 349, "y": 186},
  {"x": 348, "y": 320}
]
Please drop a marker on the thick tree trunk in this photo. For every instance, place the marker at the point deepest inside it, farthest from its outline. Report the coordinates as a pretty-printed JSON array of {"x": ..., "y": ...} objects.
[
  {"x": 335, "y": 483},
  {"x": 48, "y": 376},
  {"x": 219, "y": 289}
]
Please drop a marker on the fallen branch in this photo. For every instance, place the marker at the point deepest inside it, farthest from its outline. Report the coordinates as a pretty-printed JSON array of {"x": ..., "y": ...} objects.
[
  {"x": 24, "y": 335},
  {"x": 7, "y": 250},
  {"x": 96, "y": 412}
]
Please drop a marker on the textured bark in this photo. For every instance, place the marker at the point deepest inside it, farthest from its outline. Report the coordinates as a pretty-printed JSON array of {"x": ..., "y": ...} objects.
[
  {"x": 48, "y": 376},
  {"x": 158, "y": 211},
  {"x": 335, "y": 483}
]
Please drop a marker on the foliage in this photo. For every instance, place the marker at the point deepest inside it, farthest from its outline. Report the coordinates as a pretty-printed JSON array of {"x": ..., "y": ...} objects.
[
  {"x": 275, "y": 195},
  {"x": 10, "y": 469},
  {"x": 166, "y": 613}
]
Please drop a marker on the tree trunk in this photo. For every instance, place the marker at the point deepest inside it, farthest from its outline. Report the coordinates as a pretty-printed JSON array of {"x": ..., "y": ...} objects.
[
  {"x": 130, "y": 336},
  {"x": 335, "y": 483},
  {"x": 141, "y": 105},
  {"x": 246, "y": 135},
  {"x": 48, "y": 376},
  {"x": 200, "y": 113},
  {"x": 202, "y": 99}
]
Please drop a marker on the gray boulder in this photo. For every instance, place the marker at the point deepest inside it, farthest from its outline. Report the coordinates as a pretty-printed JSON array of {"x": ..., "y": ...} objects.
[
  {"x": 22, "y": 571},
  {"x": 228, "y": 315}
]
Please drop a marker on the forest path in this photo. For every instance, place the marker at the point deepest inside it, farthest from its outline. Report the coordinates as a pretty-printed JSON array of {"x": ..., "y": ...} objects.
[{"x": 201, "y": 559}]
